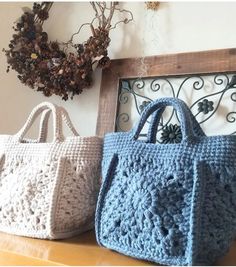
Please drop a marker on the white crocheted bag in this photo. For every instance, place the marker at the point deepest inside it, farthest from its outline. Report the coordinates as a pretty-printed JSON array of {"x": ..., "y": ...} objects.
[{"x": 48, "y": 190}]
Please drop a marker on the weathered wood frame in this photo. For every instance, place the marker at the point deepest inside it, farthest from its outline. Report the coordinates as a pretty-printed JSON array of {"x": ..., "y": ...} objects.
[{"x": 204, "y": 62}]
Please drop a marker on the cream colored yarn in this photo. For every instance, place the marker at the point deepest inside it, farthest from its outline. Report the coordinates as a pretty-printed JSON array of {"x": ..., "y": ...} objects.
[{"x": 48, "y": 190}]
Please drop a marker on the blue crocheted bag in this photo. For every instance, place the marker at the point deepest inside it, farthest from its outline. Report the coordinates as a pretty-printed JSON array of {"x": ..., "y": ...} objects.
[{"x": 168, "y": 203}]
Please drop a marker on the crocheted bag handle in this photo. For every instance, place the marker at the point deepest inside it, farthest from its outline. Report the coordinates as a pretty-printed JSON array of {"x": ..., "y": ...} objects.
[
  {"x": 44, "y": 124},
  {"x": 58, "y": 113},
  {"x": 42, "y": 137},
  {"x": 160, "y": 105},
  {"x": 67, "y": 120},
  {"x": 152, "y": 131},
  {"x": 57, "y": 124}
]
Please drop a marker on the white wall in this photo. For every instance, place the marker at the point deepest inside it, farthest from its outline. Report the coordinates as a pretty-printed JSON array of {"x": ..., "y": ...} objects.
[{"x": 176, "y": 27}]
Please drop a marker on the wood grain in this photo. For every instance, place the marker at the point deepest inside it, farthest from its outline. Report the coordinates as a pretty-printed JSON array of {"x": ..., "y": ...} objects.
[{"x": 204, "y": 62}]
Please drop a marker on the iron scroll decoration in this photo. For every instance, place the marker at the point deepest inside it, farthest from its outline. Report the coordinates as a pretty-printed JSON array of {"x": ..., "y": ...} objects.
[{"x": 203, "y": 108}]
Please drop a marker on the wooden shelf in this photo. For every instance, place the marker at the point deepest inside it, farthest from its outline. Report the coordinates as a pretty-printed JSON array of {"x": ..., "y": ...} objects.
[{"x": 81, "y": 250}]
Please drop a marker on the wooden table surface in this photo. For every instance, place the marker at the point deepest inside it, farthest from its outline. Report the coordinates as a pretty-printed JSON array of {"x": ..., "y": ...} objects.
[{"x": 81, "y": 250}]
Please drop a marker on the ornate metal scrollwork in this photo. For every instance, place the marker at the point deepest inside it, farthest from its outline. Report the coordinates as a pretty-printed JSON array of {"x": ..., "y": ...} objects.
[{"x": 142, "y": 91}]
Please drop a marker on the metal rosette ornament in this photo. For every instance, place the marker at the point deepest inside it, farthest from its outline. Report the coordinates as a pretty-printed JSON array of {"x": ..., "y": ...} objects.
[{"x": 66, "y": 68}]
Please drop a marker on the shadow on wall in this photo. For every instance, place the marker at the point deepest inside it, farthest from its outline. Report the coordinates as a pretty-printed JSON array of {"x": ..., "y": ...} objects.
[
  {"x": 125, "y": 39},
  {"x": 148, "y": 34}
]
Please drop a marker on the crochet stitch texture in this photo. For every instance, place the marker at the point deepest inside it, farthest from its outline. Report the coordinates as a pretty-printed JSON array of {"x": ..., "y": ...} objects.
[
  {"x": 48, "y": 190},
  {"x": 168, "y": 203}
]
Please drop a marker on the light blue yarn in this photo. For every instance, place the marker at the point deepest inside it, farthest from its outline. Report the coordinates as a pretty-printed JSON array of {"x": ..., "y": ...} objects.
[{"x": 172, "y": 204}]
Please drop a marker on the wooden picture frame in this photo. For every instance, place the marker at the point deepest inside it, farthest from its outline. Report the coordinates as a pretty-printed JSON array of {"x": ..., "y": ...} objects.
[{"x": 204, "y": 62}]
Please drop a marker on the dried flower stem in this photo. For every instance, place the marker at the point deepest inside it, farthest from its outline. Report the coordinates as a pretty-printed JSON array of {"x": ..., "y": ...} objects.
[
  {"x": 125, "y": 21},
  {"x": 102, "y": 20},
  {"x": 96, "y": 13},
  {"x": 46, "y": 66}
]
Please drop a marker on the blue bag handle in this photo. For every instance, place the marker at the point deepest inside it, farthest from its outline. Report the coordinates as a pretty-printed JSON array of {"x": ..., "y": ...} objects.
[
  {"x": 152, "y": 131},
  {"x": 158, "y": 107}
]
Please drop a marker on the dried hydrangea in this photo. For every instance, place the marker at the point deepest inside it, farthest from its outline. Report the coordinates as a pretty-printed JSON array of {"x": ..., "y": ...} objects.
[{"x": 44, "y": 65}]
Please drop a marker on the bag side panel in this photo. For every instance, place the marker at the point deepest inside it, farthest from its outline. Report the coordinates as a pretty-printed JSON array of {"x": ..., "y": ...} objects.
[
  {"x": 107, "y": 176},
  {"x": 26, "y": 185},
  {"x": 76, "y": 198},
  {"x": 218, "y": 220},
  {"x": 144, "y": 210}
]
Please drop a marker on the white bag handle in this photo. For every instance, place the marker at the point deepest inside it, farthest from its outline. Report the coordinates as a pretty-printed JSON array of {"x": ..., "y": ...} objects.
[
  {"x": 44, "y": 124},
  {"x": 58, "y": 113},
  {"x": 43, "y": 127},
  {"x": 42, "y": 137},
  {"x": 57, "y": 136},
  {"x": 67, "y": 120}
]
